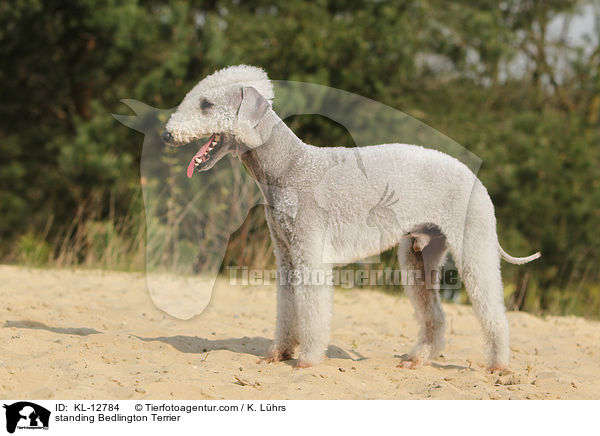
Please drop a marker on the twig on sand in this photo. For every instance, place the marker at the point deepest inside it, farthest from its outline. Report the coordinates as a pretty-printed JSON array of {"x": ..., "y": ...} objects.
[{"x": 242, "y": 382}]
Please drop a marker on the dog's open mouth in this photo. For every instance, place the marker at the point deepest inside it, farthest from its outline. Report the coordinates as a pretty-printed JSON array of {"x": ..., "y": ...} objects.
[{"x": 205, "y": 153}]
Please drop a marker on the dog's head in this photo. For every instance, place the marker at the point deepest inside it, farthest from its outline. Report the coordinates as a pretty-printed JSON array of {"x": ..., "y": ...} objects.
[{"x": 225, "y": 107}]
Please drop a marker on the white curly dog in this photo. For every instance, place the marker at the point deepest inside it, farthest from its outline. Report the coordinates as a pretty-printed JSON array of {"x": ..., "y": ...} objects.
[{"x": 421, "y": 200}]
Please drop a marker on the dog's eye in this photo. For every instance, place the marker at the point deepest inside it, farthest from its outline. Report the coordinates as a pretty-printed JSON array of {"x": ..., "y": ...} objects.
[{"x": 205, "y": 104}]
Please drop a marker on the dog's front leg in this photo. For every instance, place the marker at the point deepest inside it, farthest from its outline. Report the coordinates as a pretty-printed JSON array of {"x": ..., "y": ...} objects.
[
  {"x": 286, "y": 337},
  {"x": 313, "y": 302}
]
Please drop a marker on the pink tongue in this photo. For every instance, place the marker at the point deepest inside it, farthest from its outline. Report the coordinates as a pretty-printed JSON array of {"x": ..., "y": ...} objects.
[{"x": 191, "y": 166}]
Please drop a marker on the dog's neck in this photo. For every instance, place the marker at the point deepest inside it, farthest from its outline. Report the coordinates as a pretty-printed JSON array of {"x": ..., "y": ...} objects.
[{"x": 280, "y": 150}]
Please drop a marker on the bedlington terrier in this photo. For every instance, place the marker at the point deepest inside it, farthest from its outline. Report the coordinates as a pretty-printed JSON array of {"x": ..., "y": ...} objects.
[{"x": 423, "y": 201}]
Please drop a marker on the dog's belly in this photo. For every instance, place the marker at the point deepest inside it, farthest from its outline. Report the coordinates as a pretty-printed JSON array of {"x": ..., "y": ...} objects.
[{"x": 346, "y": 244}]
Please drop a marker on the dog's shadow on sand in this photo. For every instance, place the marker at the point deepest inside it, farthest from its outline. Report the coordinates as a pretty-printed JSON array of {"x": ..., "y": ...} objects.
[
  {"x": 35, "y": 325},
  {"x": 255, "y": 346}
]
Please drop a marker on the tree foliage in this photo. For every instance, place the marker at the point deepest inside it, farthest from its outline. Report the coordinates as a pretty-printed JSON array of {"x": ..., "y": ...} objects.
[{"x": 506, "y": 80}]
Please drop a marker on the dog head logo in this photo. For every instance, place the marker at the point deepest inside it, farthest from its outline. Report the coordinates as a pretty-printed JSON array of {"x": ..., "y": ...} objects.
[
  {"x": 190, "y": 219},
  {"x": 26, "y": 415}
]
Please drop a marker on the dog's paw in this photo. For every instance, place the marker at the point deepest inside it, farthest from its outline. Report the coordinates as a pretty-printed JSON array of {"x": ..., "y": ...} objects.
[
  {"x": 496, "y": 368},
  {"x": 276, "y": 355},
  {"x": 301, "y": 364},
  {"x": 414, "y": 360},
  {"x": 306, "y": 361},
  {"x": 267, "y": 359},
  {"x": 410, "y": 363}
]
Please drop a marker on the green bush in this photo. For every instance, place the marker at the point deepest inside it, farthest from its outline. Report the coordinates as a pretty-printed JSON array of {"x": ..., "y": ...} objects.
[{"x": 32, "y": 250}]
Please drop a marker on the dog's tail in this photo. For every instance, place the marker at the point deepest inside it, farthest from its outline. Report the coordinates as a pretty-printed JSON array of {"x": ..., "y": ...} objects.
[{"x": 518, "y": 260}]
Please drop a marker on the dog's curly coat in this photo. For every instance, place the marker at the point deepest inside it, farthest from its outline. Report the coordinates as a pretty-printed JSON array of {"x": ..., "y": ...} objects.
[{"x": 434, "y": 204}]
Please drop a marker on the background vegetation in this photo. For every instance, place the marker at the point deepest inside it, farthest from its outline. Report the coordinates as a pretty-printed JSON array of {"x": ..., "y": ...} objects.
[{"x": 516, "y": 82}]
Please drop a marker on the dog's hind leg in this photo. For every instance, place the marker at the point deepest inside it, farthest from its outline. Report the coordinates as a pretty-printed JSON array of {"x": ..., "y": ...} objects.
[
  {"x": 478, "y": 261},
  {"x": 421, "y": 281},
  {"x": 480, "y": 273}
]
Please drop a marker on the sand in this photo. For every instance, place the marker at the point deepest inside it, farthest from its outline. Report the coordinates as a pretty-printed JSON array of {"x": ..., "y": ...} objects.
[{"x": 97, "y": 335}]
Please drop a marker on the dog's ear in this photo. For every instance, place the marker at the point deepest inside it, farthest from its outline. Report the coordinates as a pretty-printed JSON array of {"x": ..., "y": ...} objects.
[{"x": 253, "y": 107}]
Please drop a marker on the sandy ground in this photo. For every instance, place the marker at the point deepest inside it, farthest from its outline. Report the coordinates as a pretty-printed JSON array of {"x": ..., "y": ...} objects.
[{"x": 97, "y": 335}]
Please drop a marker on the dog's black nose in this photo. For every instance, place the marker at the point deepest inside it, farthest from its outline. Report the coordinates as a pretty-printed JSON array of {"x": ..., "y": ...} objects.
[{"x": 167, "y": 137}]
